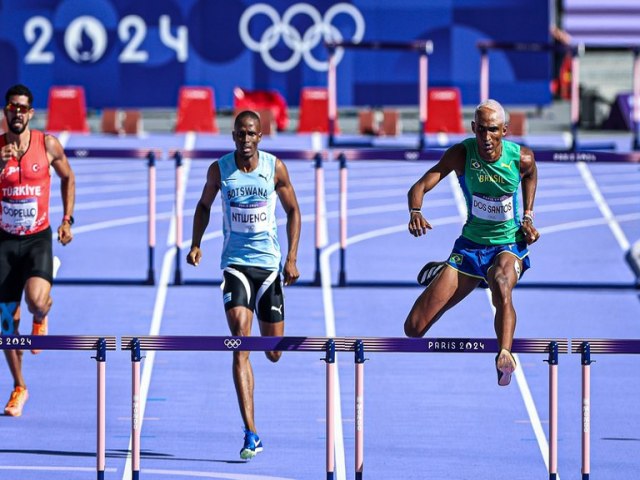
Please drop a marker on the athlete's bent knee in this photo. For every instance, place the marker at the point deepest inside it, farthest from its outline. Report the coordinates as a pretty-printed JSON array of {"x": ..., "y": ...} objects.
[
  {"x": 39, "y": 307},
  {"x": 410, "y": 329},
  {"x": 273, "y": 356}
]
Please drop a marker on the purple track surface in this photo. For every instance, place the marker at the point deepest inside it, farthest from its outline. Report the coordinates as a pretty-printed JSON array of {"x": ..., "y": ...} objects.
[{"x": 426, "y": 416}]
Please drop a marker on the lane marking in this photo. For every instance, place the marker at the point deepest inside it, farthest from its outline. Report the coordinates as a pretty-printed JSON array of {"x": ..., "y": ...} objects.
[
  {"x": 225, "y": 476},
  {"x": 54, "y": 468},
  {"x": 156, "y": 320},
  {"x": 587, "y": 176},
  {"x": 330, "y": 330}
]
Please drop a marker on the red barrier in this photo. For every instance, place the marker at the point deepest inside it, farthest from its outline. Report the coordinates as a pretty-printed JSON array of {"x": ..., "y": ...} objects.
[
  {"x": 67, "y": 110},
  {"x": 196, "y": 112},
  {"x": 260, "y": 100},
  {"x": 444, "y": 111},
  {"x": 314, "y": 110}
]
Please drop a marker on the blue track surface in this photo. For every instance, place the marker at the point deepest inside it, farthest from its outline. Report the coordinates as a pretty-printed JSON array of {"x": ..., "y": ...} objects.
[{"x": 426, "y": 416}]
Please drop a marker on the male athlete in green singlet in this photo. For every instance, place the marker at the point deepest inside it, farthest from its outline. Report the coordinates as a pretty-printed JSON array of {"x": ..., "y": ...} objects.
[{"x": 492, "y": 250}]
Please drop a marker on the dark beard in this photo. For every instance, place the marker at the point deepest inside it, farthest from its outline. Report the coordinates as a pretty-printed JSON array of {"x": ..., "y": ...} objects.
[{"x": 18, "y": 130}]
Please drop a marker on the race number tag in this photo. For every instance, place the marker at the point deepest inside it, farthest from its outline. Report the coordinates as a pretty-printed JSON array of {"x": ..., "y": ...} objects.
[
  {"x": 493, "y": 209},
  {"x": 249, "y": 218},
  {"x": 19, "y": 213}
]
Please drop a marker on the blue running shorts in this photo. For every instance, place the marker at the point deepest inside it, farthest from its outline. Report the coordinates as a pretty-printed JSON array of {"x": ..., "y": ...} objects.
[{"x": 474, "y": 259}]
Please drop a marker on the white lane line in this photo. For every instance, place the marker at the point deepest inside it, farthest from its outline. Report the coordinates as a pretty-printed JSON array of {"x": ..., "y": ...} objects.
[
  {"x": 52, "y": 468},
  {"x": 330, "y": 329},
  {"x": 602, "y": 206},
  {"x": 220, "y": 475},
  {"x": 156, "y": 320}
]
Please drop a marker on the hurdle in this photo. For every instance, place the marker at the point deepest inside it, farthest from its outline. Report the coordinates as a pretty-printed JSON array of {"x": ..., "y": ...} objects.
[
  {"x": 423, "y": 47},
  {"x": 585, "y": 347},
  {"x": 575, "y": 51},
  {"x": 295, "y": 155},
  {"x": 635, "y": 117},
  {"x": 76, "y": 342},
  {"x": 431, "y": 155},
  {"x": 231, "y": 344},
  {"x": 368, "y": 154},
  {"x": 125, "y": 154},
  {"x": 359, "y": 346}
]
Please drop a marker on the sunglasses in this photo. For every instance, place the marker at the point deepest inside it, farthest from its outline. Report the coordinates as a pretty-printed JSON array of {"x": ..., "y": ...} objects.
[{"x": 18, "y": 108}]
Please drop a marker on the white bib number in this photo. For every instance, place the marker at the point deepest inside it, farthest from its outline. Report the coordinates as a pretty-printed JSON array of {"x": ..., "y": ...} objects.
[
  {"x": 249, "y": 218},
  {"x": 20, "y": 213},
  {"x": 491, "y": 208}
]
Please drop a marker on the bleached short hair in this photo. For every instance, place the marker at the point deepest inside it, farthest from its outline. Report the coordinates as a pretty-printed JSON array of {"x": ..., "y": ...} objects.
[{"x": 491, "y": 105}]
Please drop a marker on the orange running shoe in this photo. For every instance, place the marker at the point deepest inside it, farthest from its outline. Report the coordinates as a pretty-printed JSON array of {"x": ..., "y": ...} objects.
[
  {"x": 16, "y": 402},
  {"x": 41, "y": 328}
]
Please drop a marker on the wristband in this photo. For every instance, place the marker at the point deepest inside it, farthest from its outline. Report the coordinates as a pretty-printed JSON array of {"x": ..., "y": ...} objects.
[
  {"x": 528, "y": 217},
  {"x": 69, "y": 219},
  {"x": 415, "y": 210}
]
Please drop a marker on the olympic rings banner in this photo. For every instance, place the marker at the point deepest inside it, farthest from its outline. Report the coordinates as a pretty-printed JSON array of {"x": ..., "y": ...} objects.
[{"x": 136, "y": 53}]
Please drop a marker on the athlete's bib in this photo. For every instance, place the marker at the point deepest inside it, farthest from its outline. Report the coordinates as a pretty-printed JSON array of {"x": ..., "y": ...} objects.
[
  {"x": 493, "y": 209},
  {"x": 19, "y": 213},
  {"x": 249, "y": 218}
]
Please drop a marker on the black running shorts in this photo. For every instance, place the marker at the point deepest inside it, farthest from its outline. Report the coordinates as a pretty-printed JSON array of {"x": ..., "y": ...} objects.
[
  {"x": 23, "y": 257},
  {"x": 255, "y": 288}
]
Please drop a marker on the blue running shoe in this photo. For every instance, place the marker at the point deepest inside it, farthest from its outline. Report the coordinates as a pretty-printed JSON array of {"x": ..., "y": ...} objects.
[{"x": 252, "y": 445}]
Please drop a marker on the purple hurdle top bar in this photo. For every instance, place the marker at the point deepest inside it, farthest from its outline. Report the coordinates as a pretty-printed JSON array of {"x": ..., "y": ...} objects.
[
  {"x": 113, "y": 153},
  {"x": 76, "y": 342},
  {"x": 542, "y": 155},
  {"x": 215, "y": 154},
  {"x": 203, "y": 343},
  {"x": 560, "y": 156},
  {"x": 604, "y": 345},
  {"x": 56, "y": 342},
  {"x": 455, "y": 345}
]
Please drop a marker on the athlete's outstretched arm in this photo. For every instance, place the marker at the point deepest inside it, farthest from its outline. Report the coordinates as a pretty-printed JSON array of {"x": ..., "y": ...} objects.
[
  {"x": 203, "y": 213},
  {"x": 58, "y": 160},
  {"x": 452, "y": 160},
  {"x": 287, "y": 195}
]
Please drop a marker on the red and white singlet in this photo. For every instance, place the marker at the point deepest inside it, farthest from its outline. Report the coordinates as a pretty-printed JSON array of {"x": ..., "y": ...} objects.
[{"x": 25, "y": 186}]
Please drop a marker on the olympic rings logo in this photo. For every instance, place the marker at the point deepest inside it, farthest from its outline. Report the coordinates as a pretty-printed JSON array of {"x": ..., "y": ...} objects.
[
  {"x": 232, "y": 342},
  {"x": 300, "y": 43}
]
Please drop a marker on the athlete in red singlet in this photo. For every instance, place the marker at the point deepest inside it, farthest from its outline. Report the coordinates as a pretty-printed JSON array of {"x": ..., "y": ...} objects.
[
  {"x": 26, "y": 257},
  {"x": 25, "y": 183}
]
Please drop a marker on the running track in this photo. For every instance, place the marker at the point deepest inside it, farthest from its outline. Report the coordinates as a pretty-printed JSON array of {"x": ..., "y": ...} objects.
[{"x": 426, "y": 416}]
